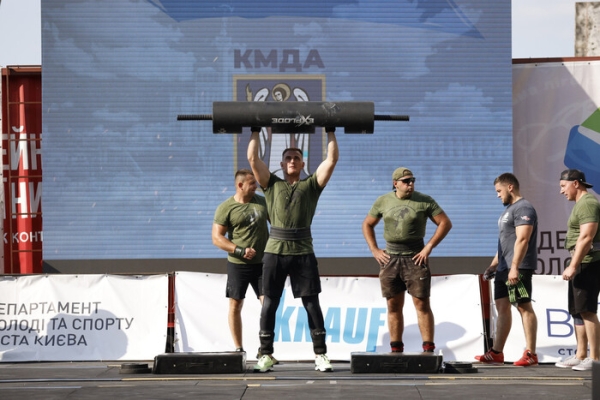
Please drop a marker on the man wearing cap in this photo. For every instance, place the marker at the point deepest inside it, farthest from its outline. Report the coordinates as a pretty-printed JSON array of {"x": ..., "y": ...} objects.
[
  {"x": 404, "y": 264},
  {"x": 583, "y": 272}
]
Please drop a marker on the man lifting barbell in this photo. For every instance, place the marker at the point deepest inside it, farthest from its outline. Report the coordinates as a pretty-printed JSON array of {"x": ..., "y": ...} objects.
[{"x": 291, "y": 203}]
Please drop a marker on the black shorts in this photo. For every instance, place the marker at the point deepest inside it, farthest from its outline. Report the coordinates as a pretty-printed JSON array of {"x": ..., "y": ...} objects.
[
  {"x": 239, "y": 276},
  {"x": 302, "y": 269},
  {"x": 402, "y": 274},
  {"x": 584, "y": 289},
  {"x": 501, "y": 290}
]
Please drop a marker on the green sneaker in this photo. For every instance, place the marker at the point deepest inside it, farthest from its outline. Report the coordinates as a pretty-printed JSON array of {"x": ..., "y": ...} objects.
[
  {"x": 264, "y": 364},
  {"x": 516, "y": 292},
  {"x": 521, "y": 291},
  {"x": 512, "y": 293},
  {"x": 275, "y": 361}
]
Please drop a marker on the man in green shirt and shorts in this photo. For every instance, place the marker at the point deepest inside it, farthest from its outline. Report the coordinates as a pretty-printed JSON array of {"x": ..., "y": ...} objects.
[
  {"x": 240, "y": 228},
  {"x": 583, "y": 272},
  {"x": 291, "y": 204},
  {"x": 404, "y": 263}
]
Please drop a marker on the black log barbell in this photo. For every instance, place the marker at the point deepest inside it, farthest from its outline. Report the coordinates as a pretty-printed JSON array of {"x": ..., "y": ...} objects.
[{"x": 292, "y": 117}]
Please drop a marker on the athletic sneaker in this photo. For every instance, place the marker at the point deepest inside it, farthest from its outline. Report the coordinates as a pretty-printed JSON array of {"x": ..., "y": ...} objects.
[
  {"x": 527, "y": 360},
  {"x": 322, "y": 363},
  {"x": 569, "y": 362},
  {"x": 264, "y": 364},
  {"x": 491, "y": 358},
  {"x": 275, "y": 361},
  {"x": 585, "y": 365}
]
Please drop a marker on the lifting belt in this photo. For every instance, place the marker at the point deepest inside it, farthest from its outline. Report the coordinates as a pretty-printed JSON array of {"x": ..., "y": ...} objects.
[{"x": 290, "y": 233}]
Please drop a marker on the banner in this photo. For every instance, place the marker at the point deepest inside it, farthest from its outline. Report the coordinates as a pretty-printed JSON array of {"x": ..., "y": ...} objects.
[
  {"x": 556, "y": 122},
  {"x": 82, "y": 317},
  {"x": 355, "y": 318},
  {"x": 105, "y": 317}
]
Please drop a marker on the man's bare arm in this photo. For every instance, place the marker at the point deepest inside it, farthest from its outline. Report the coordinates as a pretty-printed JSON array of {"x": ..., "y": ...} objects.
[
  {"x": 259, "y": 168},
  {"x": 325, "y": 169}
]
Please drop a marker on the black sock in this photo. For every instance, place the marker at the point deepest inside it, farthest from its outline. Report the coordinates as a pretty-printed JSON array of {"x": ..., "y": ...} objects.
[
  {"x": 397, "y": 347},
  {"x": 428, "y": 347}
]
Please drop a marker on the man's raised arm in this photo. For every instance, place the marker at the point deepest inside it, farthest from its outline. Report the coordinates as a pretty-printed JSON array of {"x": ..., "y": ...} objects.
[
  {"x": 325, "y": 169},
  {"x": 259, "y": 168}
]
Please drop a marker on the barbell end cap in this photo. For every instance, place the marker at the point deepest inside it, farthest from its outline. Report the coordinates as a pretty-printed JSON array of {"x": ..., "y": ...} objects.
[
  {"x": 378, "y": 117},
  {"x": 222, "y": 131},
  {"x": 194, "y": 117}
]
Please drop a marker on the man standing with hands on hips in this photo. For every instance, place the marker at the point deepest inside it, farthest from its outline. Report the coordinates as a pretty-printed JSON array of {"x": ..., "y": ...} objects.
[
  {"x": 404, "y": 264},
  {"x": 583, "y": 272}
]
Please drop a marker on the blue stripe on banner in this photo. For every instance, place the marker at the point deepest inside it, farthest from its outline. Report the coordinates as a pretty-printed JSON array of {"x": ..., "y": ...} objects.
[{"x": 443, "y": 16}]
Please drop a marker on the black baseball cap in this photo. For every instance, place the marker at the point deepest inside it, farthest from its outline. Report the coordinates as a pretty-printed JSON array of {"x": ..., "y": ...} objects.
[{"x": 574, "y": 175}]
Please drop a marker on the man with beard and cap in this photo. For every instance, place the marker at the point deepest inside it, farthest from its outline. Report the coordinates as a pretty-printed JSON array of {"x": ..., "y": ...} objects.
[
  {"x": 404, "y": 264},
  {"x": 583, "y": 272}
]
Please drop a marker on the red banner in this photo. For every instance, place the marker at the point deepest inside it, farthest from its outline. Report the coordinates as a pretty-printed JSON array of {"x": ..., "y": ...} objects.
[{"x": 22, "y": 169}]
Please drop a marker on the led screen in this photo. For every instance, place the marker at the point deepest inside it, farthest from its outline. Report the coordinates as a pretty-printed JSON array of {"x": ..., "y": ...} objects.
[{"x": 123, "y": 178}]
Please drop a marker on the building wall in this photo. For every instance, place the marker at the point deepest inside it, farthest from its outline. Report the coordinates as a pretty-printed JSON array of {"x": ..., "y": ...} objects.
[{"x": 587, "y": 29}]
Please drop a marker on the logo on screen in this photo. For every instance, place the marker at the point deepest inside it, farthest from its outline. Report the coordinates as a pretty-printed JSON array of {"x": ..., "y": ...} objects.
[{"x": 285, "y": 88}]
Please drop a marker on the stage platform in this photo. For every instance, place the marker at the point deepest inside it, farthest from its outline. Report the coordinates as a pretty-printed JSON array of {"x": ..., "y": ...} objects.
[{"x": 289, "y": 380}]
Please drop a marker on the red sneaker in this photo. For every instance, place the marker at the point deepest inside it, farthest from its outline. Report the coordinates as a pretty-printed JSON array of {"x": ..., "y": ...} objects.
[
  {"x": 491, "y": 358},
  {"x": 527, "y": 360}
]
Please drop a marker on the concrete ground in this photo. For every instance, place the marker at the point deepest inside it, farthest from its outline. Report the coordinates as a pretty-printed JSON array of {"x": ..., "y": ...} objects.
[{"x": 290, "y": 380}]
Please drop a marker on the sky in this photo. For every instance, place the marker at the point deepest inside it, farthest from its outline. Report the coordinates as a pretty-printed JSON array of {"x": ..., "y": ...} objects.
[{"x": 540, "y": 29}]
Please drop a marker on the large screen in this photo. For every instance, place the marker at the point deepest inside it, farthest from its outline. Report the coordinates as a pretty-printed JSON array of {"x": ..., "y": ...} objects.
[{"x": 123, "y": 178}]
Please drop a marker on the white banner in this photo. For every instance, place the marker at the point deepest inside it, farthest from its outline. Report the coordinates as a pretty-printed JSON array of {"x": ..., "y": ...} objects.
[
  {"x": 355, "y": 318},
  {"x": 555, "y": 335},
  {"x": 82, "y": 317},
  {"x": 556, "y": 126}
]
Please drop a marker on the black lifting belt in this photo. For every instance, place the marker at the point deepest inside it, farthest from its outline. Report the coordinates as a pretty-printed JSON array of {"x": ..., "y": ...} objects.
[
  {"x": 415, "y": 246},
  {"x": 290, "y": 233}
]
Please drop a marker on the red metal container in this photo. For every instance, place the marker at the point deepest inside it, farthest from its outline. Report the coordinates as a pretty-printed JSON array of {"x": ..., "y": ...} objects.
[{"x": 22, "y": 169}]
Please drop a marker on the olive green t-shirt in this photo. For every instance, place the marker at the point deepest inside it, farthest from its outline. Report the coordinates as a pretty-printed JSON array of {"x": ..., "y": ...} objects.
[
  {"x": 246, "y": 226},
  {"x": 404, "y": 220},
  {"x": 586, "y": 210},
  {"x": 291, "y": 206}
]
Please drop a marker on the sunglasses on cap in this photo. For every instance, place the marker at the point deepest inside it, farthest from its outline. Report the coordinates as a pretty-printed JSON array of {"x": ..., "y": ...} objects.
[{"x": 406, "y": 181}]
